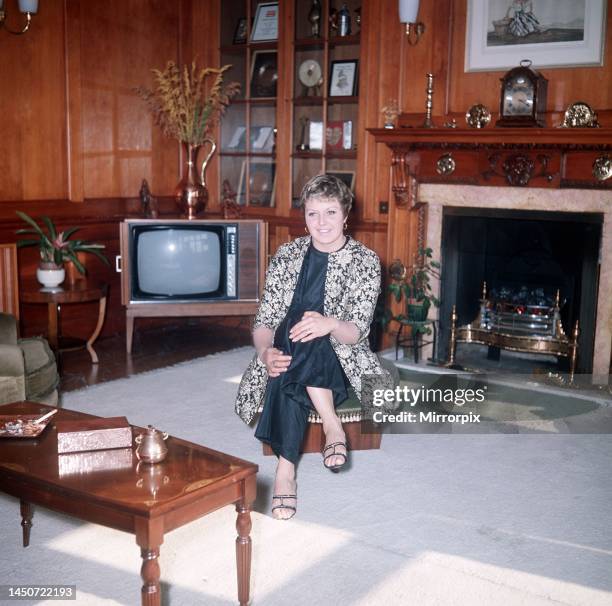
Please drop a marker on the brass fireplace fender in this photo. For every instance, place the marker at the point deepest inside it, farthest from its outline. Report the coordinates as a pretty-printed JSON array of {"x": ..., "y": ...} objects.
[{"x": 560, "y": 345}]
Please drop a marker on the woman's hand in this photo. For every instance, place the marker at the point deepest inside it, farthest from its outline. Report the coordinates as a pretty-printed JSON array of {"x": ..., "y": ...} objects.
[
  {"x": 275, "y": 361},
  {"x": 311, "y": 326}
]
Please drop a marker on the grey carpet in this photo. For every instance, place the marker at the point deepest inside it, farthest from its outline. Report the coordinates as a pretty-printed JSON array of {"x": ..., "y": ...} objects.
[{"x": 426, "y": 520}]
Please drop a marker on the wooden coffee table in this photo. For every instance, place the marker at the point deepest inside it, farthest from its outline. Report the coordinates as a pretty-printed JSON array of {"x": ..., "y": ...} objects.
[{"x": 111, "y": 488}]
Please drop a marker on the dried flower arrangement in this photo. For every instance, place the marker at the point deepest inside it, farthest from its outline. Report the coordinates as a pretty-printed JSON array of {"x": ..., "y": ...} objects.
[{"x": 183, "y": 105}]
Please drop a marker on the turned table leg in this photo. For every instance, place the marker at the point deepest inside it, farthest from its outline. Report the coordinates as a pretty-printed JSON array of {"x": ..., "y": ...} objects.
[
  {"x": 149, "y": 536},
  {"x": 53, "y": 325},
  {"x": 96, "y": 332},
  {"x": 26, "y": 521},
  {"x": 243, "y": 552}
]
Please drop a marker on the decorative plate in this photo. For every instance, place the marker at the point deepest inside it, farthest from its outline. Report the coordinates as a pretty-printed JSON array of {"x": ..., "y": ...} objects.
[
  {"x": 580, "y": 115},
  {"x": 478, "y": 116},
  {"x": 310, "y": 73},
  {"x": 21, "y": 426}
]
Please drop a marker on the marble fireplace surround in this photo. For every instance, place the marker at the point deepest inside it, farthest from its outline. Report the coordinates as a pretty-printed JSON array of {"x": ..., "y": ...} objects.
[{"x": 438, "y": 196}]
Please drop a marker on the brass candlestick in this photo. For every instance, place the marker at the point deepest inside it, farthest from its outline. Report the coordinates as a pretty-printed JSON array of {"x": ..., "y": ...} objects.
[
  {"x": 428, "y": 123},
  {"x": 453, "y": 338}
]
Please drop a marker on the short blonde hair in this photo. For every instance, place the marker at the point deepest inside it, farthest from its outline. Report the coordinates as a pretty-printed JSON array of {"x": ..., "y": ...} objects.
[{"x": 327, "y": 187}]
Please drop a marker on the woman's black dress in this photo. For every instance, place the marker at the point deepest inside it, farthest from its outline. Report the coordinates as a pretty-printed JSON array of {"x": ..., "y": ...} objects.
[{"x": 314, "y": 363}]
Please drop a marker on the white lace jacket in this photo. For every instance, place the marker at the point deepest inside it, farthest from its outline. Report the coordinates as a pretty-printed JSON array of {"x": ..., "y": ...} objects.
[{"x": 352, "y": 286}]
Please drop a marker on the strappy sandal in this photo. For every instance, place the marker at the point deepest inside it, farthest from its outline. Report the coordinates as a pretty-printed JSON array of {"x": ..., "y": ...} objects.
[
  {"x": 333, "y": 446},
  {"x": 283, "y": 506}
]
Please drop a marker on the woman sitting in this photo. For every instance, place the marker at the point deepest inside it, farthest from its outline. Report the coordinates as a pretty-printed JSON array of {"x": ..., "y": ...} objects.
[{"x": 310, "y": 333}]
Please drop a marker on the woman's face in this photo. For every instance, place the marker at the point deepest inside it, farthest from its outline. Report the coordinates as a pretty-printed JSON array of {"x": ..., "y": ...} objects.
[{"x": 325, "y": 222}]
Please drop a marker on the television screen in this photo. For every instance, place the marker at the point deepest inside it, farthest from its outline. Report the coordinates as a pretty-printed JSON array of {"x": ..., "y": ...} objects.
[{"x": 179, "y": 262}]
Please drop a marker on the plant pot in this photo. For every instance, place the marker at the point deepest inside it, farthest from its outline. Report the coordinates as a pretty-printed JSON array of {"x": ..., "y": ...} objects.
[
  {"x": 73, "y": 275},
  {"x": 417, "y": 311},
  {"x": 50, "y": 276}
]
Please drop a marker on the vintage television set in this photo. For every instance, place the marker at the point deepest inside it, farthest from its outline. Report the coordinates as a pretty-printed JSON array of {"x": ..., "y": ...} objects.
[{"x": 183, "y": 267}]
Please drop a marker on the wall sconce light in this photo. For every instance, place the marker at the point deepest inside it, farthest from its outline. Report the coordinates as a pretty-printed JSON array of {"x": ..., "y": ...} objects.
[
  {"x": 408, "y": 11},
  {"x": 27, "y": 7}
]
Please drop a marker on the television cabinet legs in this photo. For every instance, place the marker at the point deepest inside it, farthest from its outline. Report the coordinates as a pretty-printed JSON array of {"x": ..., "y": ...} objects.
[{"x": 129, "y": 332}]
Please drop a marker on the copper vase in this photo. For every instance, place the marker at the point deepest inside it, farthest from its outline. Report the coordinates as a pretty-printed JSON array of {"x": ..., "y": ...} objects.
[{"x": 191, "y": 192}]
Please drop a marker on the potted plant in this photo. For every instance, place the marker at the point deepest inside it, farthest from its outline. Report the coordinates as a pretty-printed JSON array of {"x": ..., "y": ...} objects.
[
  {"x": 186, "y": 108},
  {"x": 56, "y": 248},
  {"x": 414, "y": 285}
]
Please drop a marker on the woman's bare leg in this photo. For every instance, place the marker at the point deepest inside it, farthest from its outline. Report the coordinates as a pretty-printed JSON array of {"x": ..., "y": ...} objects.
[
  {"x": 284, "y": 484},
  {"x": 323, "y": 401}
]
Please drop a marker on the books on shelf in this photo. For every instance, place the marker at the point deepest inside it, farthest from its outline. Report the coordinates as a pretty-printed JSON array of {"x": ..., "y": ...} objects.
[{"x": 261, "y": 139}]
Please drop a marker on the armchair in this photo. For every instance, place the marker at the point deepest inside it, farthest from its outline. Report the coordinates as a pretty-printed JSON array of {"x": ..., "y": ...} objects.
[
  {"x": 27, "y": 366},
  {"x": 28, "y": 370}
]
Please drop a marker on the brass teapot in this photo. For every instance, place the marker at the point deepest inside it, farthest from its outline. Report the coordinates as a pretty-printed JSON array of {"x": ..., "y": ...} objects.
[{"x": 151, "y": 447}]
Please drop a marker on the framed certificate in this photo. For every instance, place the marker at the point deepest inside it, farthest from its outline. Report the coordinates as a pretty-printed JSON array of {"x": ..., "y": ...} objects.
[
  {"x": 343, "y": 78},
  {"x": 265, "y": 26}
]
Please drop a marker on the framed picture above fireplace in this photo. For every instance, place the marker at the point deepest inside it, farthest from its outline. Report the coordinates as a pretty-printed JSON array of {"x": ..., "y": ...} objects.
[{"x": 550, "y": 33}]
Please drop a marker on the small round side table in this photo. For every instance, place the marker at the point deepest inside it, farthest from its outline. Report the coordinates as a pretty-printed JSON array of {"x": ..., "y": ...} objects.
[{"x": 80, "y": 291}]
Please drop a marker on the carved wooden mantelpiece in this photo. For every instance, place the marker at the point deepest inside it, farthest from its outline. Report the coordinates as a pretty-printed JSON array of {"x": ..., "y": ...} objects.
[{"x": 515, "y": 157}]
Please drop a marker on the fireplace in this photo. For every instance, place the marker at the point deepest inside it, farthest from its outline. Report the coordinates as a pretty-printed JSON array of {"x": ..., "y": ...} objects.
[
  {"x": 527, "y": 237},
  {"x": 524, "y": 264},
  {"x": 565, "y": 171}
]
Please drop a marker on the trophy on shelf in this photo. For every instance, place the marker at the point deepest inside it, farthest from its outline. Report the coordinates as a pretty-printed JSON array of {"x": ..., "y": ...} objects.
[
  {"x": 333, "y": 22},
  {"x": 310, "y": 75},
  {"x": 344, "y": 21},
  {"x": 314, "y": 16},
  {"x": 390, "y": 113},
  {"x": 302, "y": 145}
]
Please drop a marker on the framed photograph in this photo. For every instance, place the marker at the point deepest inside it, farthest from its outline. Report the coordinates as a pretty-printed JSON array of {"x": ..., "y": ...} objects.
[
  {"x": 264, "y": 73},
  {"x": 265, "y": 25},
  {"x": 343, "y": 78},
  {"x": 240, "y": 33},
  {"x": 315, "y": 135},
  {"x": 339, "y": 135},
  {"x": 551, "y": 33},
  {"x": 261, "y": 183},
  {"x": 346, "y": 176}
]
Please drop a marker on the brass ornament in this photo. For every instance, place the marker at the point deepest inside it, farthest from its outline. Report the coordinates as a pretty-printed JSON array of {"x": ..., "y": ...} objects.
[
  {"x": 428, "y": 122},
  {"x": 602, "y": 168},
  {"x": 446, "y": 165},
  {"x": 518, "y": 169},
  {"x": 580, "y": 115},
  {"x": 478, "y": 116}
]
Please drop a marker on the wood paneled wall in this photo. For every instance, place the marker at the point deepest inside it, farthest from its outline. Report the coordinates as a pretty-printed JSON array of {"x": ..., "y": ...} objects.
[
  {"x": 397, "y": 70},
  {"x": 72, "y": 124},
  {"x": 73, "y": 129}
]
